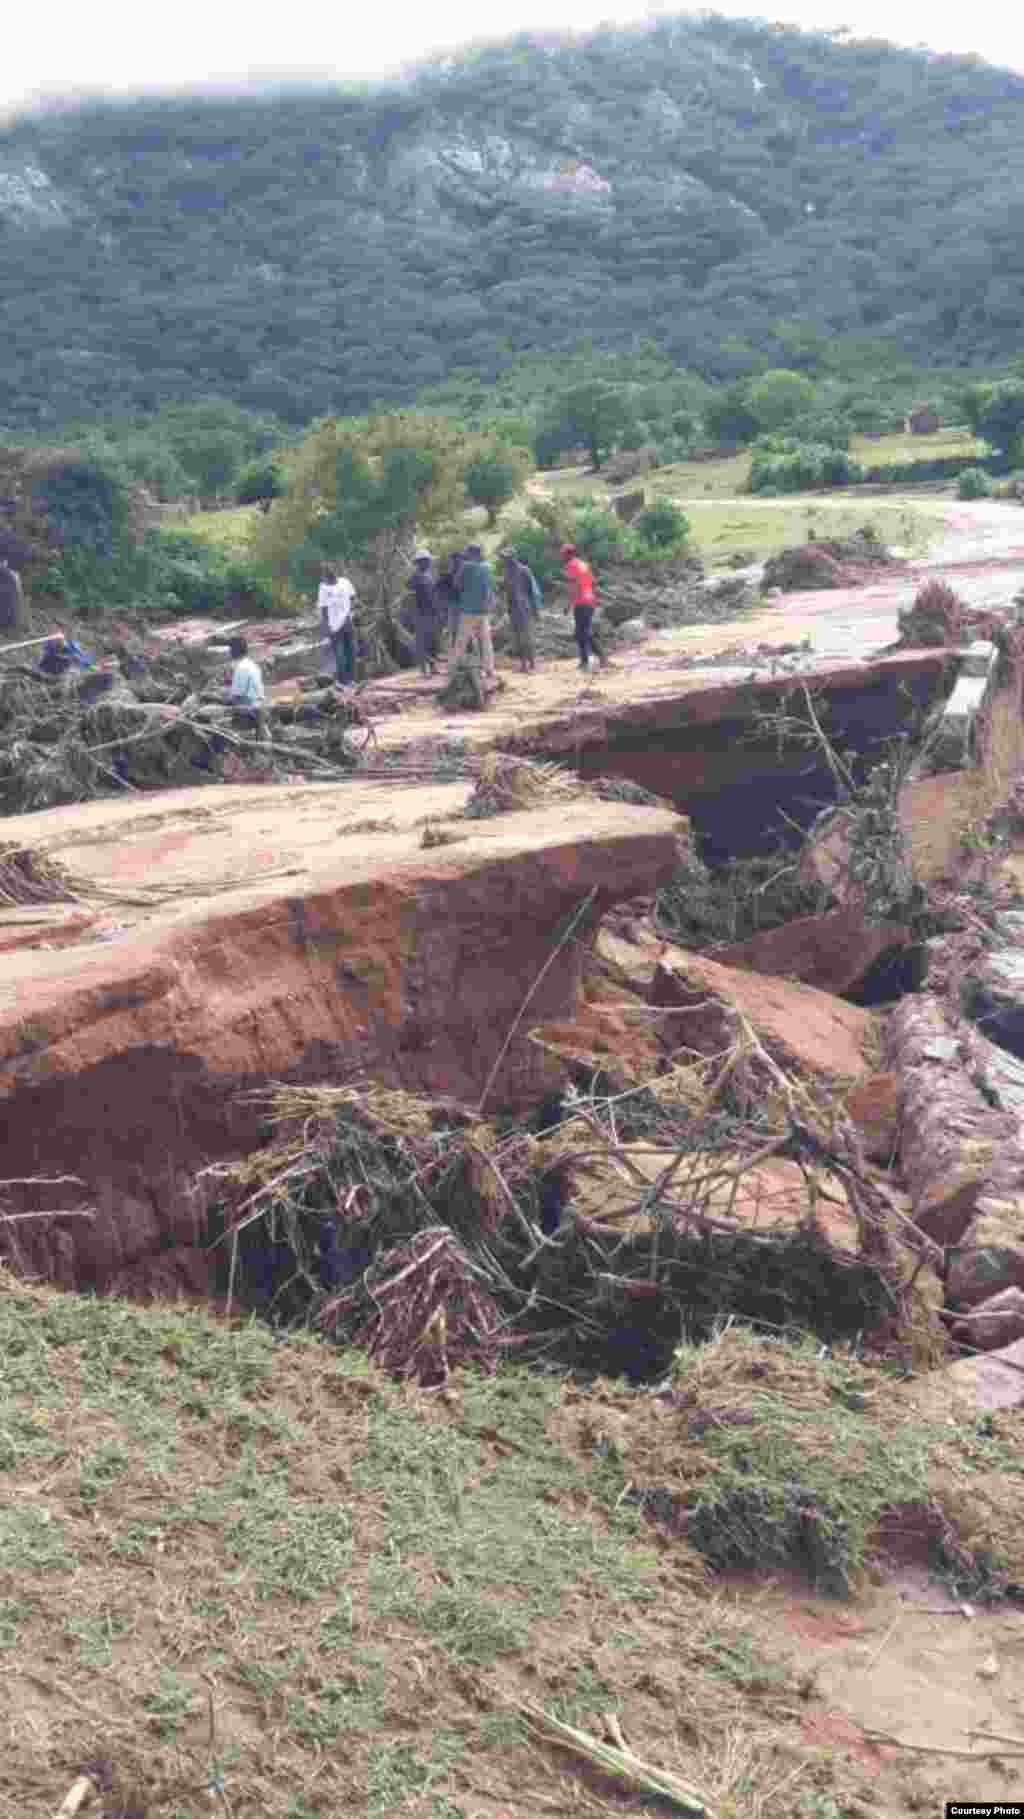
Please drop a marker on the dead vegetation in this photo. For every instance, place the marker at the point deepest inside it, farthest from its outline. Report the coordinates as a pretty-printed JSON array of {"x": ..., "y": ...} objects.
[
  {"x": 65, "y": 744},
  {"x": 433, "y": 1237}
]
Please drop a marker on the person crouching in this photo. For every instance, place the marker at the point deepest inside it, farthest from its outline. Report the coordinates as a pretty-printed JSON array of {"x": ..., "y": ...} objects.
[{"x": 245, "y": 691}]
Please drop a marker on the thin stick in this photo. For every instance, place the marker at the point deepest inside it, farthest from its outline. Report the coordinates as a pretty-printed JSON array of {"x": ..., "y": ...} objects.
[
  {"x": 42, "y": 1181},
  {"x": 541, "y": 976},
  {"x": 64, "y": 1212},
  {"x": 76, "y": 1796},
  {"x": 931, "y": 1749},
  {"x": 890, "y": 1632},
  {"x": 25, "y": 644},
  {"x": 996, "y": 1737}
]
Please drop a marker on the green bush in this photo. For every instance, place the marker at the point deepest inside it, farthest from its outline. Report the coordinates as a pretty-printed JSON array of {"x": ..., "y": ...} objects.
[
  {"x": 907, "y": 473},
  {"x": 85, "y": 502},
  {"x": 165, "y": 573},
  {"x": 973, "y": 483},
  {"x": 662, "y": 525},
  {"x": 826, "y": 430},
  {"x": 538, "y": 548},
  {"x": 600, "y": 535},
  {"x": 779, "y": 466},
  {"x": 259, "y": 484}
]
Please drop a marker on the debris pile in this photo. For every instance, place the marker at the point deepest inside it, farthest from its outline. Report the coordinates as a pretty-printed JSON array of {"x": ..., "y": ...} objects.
[
  {"x": 600, "y": 1235},
  {"x": 61, "y": 744},
  {"x": 827, "y": 562},
  {"x": 935, "y": 616}
]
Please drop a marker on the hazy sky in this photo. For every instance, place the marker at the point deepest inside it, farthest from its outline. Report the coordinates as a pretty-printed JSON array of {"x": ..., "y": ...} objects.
[{"x": 63, "y": 46}]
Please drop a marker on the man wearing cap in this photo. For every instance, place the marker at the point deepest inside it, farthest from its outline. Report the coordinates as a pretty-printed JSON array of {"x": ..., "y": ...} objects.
[
  {"x": 476, "y": 598},
  {"x": 580, "y": 579},
  {"x": 423, "y": 589}
]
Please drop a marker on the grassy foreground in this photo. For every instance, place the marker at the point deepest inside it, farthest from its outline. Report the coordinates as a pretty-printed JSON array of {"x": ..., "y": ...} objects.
[{"x": 245, "y": 1574}]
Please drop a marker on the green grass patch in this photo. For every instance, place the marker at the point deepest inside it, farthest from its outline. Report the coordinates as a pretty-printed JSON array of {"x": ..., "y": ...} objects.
[
  {"x": 721, "y": 531},
  {"x": 784, "y": 1456},
  {"x": 235, "y": 1561},
  {"x": 230, "y": 528},
  {"x": 192, "y": 1507},
  {"x": 882, "y": 451}
]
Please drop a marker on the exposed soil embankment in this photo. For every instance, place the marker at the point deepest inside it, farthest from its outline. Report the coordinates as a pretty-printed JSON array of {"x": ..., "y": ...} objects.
[
  {"x": 125, "y": 1059},
  {"x": 712, "y": 755}
]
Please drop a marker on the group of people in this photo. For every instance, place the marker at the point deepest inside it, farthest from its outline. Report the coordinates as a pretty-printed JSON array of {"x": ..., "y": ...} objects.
[{"x": 459, "y": 599}]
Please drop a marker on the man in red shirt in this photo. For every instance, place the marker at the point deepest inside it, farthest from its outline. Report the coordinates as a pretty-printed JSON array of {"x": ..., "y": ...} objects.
[{"x": 580, "y": 579}]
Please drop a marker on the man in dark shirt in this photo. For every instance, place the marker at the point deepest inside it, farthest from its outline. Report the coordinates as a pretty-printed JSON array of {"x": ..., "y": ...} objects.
[
  {"x": 520, "y": 597},
  {"x": 422, "y": 587}
]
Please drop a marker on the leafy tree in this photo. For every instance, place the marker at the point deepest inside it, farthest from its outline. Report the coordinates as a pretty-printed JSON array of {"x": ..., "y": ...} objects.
[
  {"x": 728, "y": 416},
  {"x": 780, "y": 396},
  {"x": 997, "y": 413},
  {"x": 84, "y": 501},
  {"x": 492, "y": 476},
  {"x": 211, "y": 459},
  {"x": 362, "y": 492},
  {"x": 259, "y": 484},
  {"x": 596, "y": 415}
]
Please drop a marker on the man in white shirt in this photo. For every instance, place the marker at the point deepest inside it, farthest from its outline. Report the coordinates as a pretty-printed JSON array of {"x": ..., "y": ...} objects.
[{"x": 335, "y": 603}]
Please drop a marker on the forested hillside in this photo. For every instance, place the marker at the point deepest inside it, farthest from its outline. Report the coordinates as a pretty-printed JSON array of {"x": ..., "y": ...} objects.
[{"x": 731, "y": 190}]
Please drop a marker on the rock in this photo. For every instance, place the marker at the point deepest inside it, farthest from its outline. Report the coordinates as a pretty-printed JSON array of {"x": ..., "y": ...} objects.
[
  {"x": 945, "y": 1210},
  {"x": 873, "y": 1105},
  {"x": 976, "y": 1274},
  {"x": 799, "y": 1026},
  {"x": 992, "y": 995},
  {"x": 1001, "y": 1076},
  {"x": 284, "y": 950},
  {"x": 833, "y": 951},
  {"x": 954, "y": 1145},
  {"x": 630, "y": 959},
  {"x": 993, "y": 1323},
  {"x": 633, "y": 631},
  {"x": 182, "y": 1274},
  {"x": 993, "y": 1381}
]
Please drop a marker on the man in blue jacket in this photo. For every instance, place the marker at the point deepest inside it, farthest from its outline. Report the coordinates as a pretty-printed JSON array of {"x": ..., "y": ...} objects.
[{"x": 476, "y": 598}]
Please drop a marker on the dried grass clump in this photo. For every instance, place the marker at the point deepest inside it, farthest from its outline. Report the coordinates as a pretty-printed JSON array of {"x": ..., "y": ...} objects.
[
  {"x": 506, "y": 783},
  {"x": 935, "y": 616},
  {"x": 429, "y": 1304},
  {"x": 27, "y": 876},
  {"x": 327, "y": 1224}
]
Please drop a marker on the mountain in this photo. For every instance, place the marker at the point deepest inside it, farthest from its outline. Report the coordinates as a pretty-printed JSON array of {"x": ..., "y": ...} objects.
[{"x": 733, "y": 190}]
